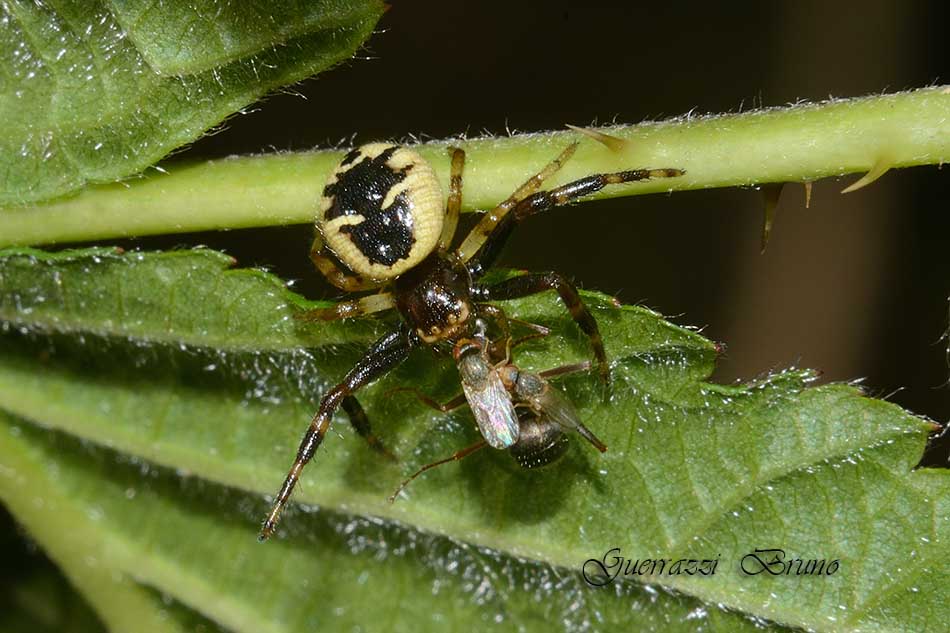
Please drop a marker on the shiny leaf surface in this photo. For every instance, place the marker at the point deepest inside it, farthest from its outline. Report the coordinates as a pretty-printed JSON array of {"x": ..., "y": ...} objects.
[{"x": 152, "y": 401}]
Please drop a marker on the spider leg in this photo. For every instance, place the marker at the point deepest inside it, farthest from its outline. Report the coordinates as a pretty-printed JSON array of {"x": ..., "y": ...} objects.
[
  {"x": 487, "y": 238},
  {"x": 320, "y": 257},
  {"x": 527, "y": 337},
  {"x": 473, "y": 241},
  {"x": 539, "y": 282},
  {"x": 386, "y": 353},
  {"x": 510, "y": 343},
  {"x": 346, "y": 309},
  {"x": 444, "y": 407},
  {"x": 360, "y": 422},
  {"x": 564, "y": 370},
  {"x": 454, "y": 205},
  {"x": 457, "y": 455},
  {"x": 499, "y": 348},
  {"x": 539, "y": 330}
]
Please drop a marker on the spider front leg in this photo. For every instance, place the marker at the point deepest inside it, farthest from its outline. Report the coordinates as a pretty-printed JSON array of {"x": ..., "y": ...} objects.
[
  {"x": 496, "y": 216},
  {"x": 534, "y": 283},
  {"x": 384, "y": 355},
  {"x": 483, "y": 245}
]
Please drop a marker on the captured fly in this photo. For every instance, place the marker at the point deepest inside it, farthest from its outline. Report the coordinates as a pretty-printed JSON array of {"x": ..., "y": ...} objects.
[
  {"x": 537, "y": 434},
  {"x": 486, "y": 393},
  {"x": 547, "y": 415}
]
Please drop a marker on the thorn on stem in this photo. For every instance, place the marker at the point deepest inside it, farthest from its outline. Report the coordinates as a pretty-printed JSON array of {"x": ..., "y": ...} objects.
[
  {"x": 880, "y": 167},
  {"x": 612, "y": 143}
]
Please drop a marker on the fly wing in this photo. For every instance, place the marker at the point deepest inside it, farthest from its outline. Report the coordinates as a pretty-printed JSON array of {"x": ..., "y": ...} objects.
[
  {"x": 494, "y": 411},
  {"x": 560, "y": 410}
]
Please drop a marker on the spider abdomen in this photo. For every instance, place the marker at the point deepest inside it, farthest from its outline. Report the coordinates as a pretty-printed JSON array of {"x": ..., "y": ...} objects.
[{"x": 381, "y": 211}]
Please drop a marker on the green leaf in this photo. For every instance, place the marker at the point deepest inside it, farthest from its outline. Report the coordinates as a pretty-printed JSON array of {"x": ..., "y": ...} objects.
[
  {"x": 200, "y": 382},
  {"x": 34, "y": 595},
  {"x": 98, "y": 91},
  {"x": 184, "y": 38}
]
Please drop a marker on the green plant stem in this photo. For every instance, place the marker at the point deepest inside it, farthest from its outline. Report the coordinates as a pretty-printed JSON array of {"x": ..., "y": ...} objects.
[{"x": 793, "y": 144}]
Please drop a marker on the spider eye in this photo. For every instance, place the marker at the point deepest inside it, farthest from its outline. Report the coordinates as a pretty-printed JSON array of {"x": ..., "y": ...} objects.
[{"x": 381, "y": 210}]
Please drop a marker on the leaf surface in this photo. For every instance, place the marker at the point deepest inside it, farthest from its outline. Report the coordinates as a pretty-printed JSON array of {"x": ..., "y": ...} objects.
[
  {"x": 197, "y": 381},
  {"x": 94, "y": 91}
]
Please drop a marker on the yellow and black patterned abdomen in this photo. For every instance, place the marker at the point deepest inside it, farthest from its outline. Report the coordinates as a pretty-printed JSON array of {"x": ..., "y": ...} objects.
[{"x": 381, "y": 212}]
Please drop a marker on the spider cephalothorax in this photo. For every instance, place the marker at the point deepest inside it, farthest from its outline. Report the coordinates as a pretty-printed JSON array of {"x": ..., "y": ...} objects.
[{"x": 381, "y": 226}]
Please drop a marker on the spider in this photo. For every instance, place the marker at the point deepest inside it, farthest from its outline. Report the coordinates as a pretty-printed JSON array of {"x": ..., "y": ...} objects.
[
  {"x": 380, "y": 225},
  {"x": 493, "y": 389}
]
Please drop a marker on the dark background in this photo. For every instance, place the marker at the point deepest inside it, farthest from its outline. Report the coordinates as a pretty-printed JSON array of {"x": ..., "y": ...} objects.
[{"x": 855, "y": 286}]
